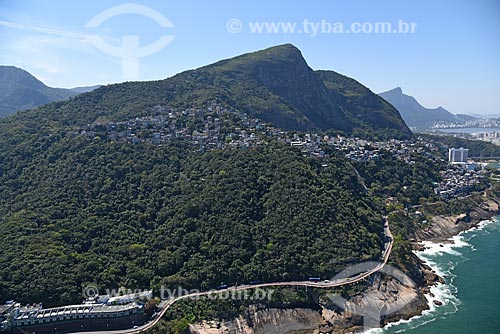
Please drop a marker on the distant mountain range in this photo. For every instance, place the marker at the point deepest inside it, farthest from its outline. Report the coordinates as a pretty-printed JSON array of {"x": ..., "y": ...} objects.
[
  {"x": 19, "y": 90},
  {"x": 85, "y": 89},
  {"x": 275, "y": 85},
  {"x": 417, "y": 116}
]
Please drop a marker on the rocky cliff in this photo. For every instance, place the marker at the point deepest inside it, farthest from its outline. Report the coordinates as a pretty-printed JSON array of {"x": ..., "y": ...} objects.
[
  {"x": 265, "y": 321},
  {"x": 397, "y": 300},
  {"x": 445, "y": 226}
]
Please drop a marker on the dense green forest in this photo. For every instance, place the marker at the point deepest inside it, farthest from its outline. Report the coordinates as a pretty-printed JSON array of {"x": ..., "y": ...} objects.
[
  {"x": 77, "y": 211},
  {"x": 410, "y": 184},
  {"x": 19, "y": 90}
]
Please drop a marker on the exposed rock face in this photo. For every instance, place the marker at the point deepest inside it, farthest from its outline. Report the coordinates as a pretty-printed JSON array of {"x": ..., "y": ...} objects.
[
  {"x": 358, "y": 102},
  {"x": 386, "y": 300},
  {"x": 275, "y": 85},
  {"x": 266, "y": 321},
  {"x": 387, "y": 295},
  {"x": 444, "y": 227}
]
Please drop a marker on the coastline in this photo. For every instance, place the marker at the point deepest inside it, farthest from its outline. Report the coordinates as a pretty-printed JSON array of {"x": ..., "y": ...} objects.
[
  {"x": 431, "y": 292},
  {"x": 444, "y": 227},
  {"x": 446, "y": 292},
  {"x": 445, "y": 232},
  {"x": 444, "y": 235}
]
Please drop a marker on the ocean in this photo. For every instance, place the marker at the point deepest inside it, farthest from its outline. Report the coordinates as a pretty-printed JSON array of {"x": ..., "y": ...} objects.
[{"x": 471, "y": 293}]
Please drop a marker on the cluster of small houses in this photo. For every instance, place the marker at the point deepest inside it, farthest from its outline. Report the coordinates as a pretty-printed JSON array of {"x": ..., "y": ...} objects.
[
  {"x": 208, "y": 128},
  {"x": 459, "y": 180},
  {"x": 211, "y": 133},
  {"x": 205, "y": 129},
  {"x": 365, "y": 150}
]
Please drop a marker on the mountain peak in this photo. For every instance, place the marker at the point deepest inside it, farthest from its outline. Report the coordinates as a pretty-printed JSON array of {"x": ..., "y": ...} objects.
[
  {"x": 275, "y": 85},
  {"x": 285, "y": 48},
  {"x": 414, "y": 114},
  {"x": 396, "y": 90},
  {"x": 280, "y": 53},
  {"x": 17, "y": 76},
  {"x": 20, "y": 90},
  {"x": 281, "y": 88}
]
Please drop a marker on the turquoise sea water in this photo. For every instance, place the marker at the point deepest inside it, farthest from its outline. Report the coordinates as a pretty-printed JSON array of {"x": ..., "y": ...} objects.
[{"x": 471, "y": 295}]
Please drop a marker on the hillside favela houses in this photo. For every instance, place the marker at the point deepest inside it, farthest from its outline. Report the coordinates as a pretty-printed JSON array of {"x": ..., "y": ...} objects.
[
  {"x": 100, "y": 313},
  {"x": 461, "y": 177}
]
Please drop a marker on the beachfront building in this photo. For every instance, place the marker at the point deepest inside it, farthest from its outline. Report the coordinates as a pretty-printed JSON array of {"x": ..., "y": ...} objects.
[{"x": 99, "y": 313}]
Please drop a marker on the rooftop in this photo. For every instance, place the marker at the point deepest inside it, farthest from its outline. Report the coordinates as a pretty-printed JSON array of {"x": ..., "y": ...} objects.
[{"x": 75, "y": 309}]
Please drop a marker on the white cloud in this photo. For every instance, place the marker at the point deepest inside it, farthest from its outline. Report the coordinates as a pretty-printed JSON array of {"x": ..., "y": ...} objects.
[
  {"x": 42, "y": 30},
  {"x": 53, "y": 55}
]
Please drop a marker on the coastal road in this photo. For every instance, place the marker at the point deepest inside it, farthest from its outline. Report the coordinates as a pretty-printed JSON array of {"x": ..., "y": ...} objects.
[{"x": 166, "y": 304}]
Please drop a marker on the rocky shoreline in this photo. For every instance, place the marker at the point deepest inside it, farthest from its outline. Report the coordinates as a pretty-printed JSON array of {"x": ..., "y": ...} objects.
[
  {"x": 444, "y": 227},
  {"x": 332, "y": 320},
  {"x": 329, "y": 319}
]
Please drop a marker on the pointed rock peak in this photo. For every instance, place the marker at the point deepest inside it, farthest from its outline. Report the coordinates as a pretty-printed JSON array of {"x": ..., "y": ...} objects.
[
  {"x": 290, "y": 48},
  {"x": 394, "y": 91},
  {"x": 284, "y": 58},
  {"x": 287, "y": 52},
  {"x": 281, "y": 52}
]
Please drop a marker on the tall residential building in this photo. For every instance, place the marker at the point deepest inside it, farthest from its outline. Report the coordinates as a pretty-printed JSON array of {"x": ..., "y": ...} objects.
[{"x": 458, "y": 155}]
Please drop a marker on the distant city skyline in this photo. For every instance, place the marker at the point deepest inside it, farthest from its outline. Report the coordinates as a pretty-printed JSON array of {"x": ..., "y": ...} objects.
[{"x": 444, "y": 53}]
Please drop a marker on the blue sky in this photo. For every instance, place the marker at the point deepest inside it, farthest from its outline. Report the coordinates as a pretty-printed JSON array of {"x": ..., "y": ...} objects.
[{"x": 452, "y": 59}]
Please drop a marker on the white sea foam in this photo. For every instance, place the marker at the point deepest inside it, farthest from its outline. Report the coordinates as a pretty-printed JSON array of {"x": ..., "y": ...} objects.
[
  {"x": 446, "y": 293},
  {"x": 373, "y": 331},
  {"x": 484, "y": 223},
  {"x": 432, "y": 255},
  {"x": 480, "y": 227},
  {"x": 471, "y": 233}
]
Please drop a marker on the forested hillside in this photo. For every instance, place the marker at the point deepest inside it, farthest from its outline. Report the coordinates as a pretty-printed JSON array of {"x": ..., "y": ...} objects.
[
  {"x": 19, "y": 90},
  {"x": 275, "y": 85},
  {"x": 77, "y": 211}
]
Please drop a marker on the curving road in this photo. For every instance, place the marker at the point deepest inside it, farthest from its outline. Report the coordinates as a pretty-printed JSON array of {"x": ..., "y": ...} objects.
[{"x": 166, "y": 304}]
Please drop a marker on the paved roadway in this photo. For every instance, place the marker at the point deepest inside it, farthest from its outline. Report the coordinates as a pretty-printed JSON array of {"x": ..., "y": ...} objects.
[{"x": 166, "y": 304}]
